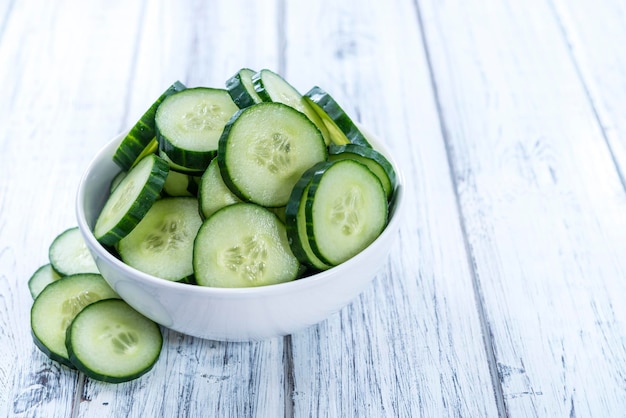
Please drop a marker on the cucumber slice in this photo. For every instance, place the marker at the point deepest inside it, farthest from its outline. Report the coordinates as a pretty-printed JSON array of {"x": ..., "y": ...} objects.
[
  {"x": 117, "y": 180},
  {"x": 162, "y": 243},
  {"x": 131, "y": 200},
  {"x": 189, "y": 124},
  {"x": 177, "y": 184},
  {"x": 346, "y": 210},
  {"x": 69, "y": 254},
  {"x": 241, "y": 88},
  {"x": 179, "y": 168},
  {"x": 57, "y": 305},
  {"x": 41, "y": 278},
  {"x": 140, "y": 136},
  {"x": 373, "y": 159},
  {"x": 342, "y": 129},
  {"x": 271, "y": 87},
  {"x": 295, "y": 220},
  {"x": 111, "y": 342},
  {"x": 213, "y": 194},
  {"x": 243, "y": 245},
  {"x": 264, "y": 150}
]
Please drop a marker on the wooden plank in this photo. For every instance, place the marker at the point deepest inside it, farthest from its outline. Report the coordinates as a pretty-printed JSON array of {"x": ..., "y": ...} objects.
[
  {"x": 542, "y": 204},
  {"x": 199, "y": 44},
  {"x": 411, "y": 345},
  {"x": 593, "y": 31},
  {"x": 55, "y": 110}
]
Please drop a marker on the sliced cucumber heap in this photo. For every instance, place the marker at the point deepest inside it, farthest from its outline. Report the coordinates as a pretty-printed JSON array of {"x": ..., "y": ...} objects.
[
  {"x": 249, "y": 185},
  {"x": 113, "y": 344},
  {"x": 312, "y": 176}
]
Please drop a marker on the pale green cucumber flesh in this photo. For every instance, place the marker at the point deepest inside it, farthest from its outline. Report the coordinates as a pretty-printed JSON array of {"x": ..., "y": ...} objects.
[
  {"x": 162, "y": 243},
  {"x": 177, "y": 184},
  {"x": 243, "y": 245},
  {"x": 213, "y": 194}
]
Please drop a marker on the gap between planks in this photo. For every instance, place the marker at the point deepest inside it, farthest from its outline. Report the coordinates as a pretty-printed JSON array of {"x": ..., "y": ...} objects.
[{"x": 586, "y": 85}]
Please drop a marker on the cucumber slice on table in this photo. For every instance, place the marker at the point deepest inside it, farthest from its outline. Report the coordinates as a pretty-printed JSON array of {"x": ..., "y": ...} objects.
[
  {"x": 189, "y": 124},
  {"x": 342, "y": 129},
  {"x": 264, "y": 150},
  {"x": 271, "y": 87},
  {"x": 141, "y": 135},
  {"x": 373, "y": 159},
  {"x": 346, "y": 210},
  {"x": 130, "y": 201},
  {"x": 243, "y": 245},
  {"x": 69, "y": 254},
  {"x": 57, "y": 305},
  {"x": 110, "y": 341},
  {"x": 41, "y": 278},
  {"x": 162, "y": 243},
  {"x": 241, "y": 88}
]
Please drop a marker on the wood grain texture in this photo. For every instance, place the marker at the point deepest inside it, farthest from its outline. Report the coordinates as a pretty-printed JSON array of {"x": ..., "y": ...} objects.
[
  {"x": 412, "y": 343},
  {"x": 542, "y": 204},
  {"x": 47, "y": 125},
  {"x": 592, "y": 31}
]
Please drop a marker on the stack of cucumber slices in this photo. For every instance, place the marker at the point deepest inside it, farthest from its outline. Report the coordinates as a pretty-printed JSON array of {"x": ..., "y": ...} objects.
[
  {"x": 78, "y": 320},
  {"x": 249, "y": 185}
]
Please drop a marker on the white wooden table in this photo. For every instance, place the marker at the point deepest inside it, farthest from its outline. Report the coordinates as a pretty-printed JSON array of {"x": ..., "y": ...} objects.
[{"x": 505, "y": 295}]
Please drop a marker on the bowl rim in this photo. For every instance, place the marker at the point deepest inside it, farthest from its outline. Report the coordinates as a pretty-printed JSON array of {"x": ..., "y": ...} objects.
[{"x": 392, "y": 227}]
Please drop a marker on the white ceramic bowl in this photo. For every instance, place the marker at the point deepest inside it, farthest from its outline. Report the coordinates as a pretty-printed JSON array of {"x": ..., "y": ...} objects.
[{"x": 230, "y": 314}]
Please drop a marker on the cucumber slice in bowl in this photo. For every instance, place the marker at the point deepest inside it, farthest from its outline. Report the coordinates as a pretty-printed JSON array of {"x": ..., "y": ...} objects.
[
  {"x": 241, "y": 88},
  {"x": 373, "y": 159},
  {"x": 346, "y": 210},
  {"x": 139, "y": 139},
  {"x": 341, "y": 128},
  {"x": 110, "y": 341},
  {"x": 295, "y": 220},
  {"x": 271, "y": 87},
  {"x": 213, "y": 194},
  {"x": 162, "y": 243},
  {"x": 264, "y": 150},
  {"x": 56, "y": 306},
  {"x": 131, "y": 199},
  {"x": 189, "y": 124},
  {"x": 243, "y": 245}
]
